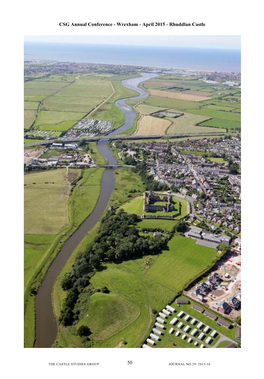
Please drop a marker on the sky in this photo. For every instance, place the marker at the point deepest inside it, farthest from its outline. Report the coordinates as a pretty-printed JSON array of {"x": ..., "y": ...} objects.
[{"x": 206, "y": 42}]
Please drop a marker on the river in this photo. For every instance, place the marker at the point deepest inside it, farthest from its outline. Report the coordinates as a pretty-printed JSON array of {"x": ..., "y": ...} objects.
[{"x": 46, "y": 325}]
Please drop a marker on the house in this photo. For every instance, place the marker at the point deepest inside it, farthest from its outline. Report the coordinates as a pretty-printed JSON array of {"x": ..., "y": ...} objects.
[
  {"x": 170, "y": 308},
  {"x": 201, "y": 336},
  {"x": 166, "y": 312},
  {"x": 159, "y": 319},
  {"x": 187, "y": 317},
  {"x": 171, "y": 331},
  {"x": 194, "y": 332},
  {"x": 238, "y": 333},
  {"x": 157, "y": 331},
  {"x": 206, "y": 329},
  {"x": 177, "y": 333},
  {"x": 180, "y": 325},
  {"x": 182, "y": 301},
  {"x": 197, "y": 308},
  {"x": 223, "y": 322},
  {"x": 210, "y": 315},
  {"x": 194, "y": 321},
  {"x": 208, "y": 340},
  {"x": 145, "y": 346},
  {"x": 180, "y": 314},
  {"x": 187, "y": 327},
  {"x": 159, "y": 325},
  {"x": 150, "y": 341},
  {"x": 154, "y": 337},
  {"x": 200, "y": 325},
  {"x": 214, "y": 333},
  {"x": 173, "y": 321}
]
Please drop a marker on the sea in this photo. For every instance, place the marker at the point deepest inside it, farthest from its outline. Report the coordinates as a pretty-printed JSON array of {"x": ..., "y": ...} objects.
[{"x": 160, "y": 57}]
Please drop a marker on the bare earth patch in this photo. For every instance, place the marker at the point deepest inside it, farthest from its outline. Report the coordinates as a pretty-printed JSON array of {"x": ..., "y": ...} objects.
[
  {"x": 179, "y": 95},
  {"x": 31, "y": 154},
  {"x": 152, "y": 126}
]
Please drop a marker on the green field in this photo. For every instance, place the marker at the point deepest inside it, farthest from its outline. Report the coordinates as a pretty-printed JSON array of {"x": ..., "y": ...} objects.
[
  {"x": 96, "y": 156},
  {"x": 81, "y": 96},
  {"x": 180, "y": 263},
  {"x": 188, "y": 124},
  {"x": 35, "y": 248},
  {"x": 126, "y": 283},
  {"x": 56, "y": 120},
  {"x": 217, "y": 123},
  {"x": 128, "y": 185},
  {"x": 46, "y": 202},
  {"x": 176, "y": 104},
  {"x": 31, "y": 105},
  {"x": 150, "y": 223},
  {"x": 86, "y": 194},
  {"x": 29, "y": 118}
]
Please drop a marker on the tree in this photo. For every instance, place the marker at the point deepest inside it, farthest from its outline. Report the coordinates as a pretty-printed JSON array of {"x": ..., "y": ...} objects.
[
  {"x": 83, "y": 331},
  {"x": 233, "y": 169},
  {"x": 222, "y": 247},
  {"x": 238, "y": 320},
  {"x": 181, "y": 227}
]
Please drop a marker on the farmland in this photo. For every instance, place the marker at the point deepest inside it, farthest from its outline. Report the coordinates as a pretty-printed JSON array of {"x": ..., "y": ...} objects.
[
  {"x": 194, "y": 96},
  {"x": 152, "y": 125},
  {"x": 183, "y": 260},
  {"x": 179, "y": 95},
  {"x": 46, "y": 202},
  {"x": 187, "y": 123}
]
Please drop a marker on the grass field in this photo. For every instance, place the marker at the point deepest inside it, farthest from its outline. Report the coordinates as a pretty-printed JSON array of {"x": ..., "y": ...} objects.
[
  {"x": 37, "y": 90},
  {"x": 179, "y": 95},
  {"x": 146, "y": 110},
  {"x": 31, "y": 105},
  {"x": 46, "y": 202},
  {"x": 149, "y": 223},
  {"x": 81, "y": 96},
  {"x": 180, "y": 263},
  {"x": 149, "y": 125},
  {"x": 86, "y": 194},
  {"x": 128, "y": 185},
  {"x": 127, "y": 282},
  {"x": 176, "y": 104},
  {"x": 222, "y": 115},
  {"x": 45, "y": 118},
  {"x": 35, "y": 248},
  {"x": 187, "y": 123},
  {"x": 228, "y": 124},
  {"x": 29, "y": 118},
  {"x": 97, "y": 157}
]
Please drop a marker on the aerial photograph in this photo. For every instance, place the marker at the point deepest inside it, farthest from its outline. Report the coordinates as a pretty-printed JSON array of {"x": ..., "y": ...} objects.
[{"x": 132, "y": 191}]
